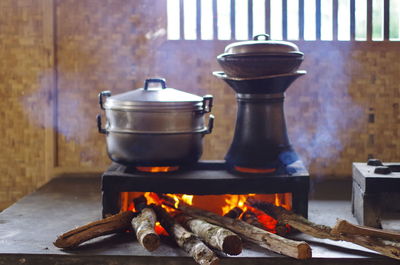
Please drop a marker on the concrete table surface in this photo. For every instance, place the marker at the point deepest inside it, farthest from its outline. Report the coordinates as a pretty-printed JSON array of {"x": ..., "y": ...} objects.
[{"x": 28, "y": 228}]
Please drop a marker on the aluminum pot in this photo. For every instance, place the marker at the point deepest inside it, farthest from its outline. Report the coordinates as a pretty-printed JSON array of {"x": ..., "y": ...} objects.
[
  {"x": 260, "y": 57},
  {"x": 155, "y": 126}
]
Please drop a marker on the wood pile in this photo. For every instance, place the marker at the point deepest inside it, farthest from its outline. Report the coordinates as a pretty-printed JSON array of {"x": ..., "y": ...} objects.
[{"x": 205, "y": 235}]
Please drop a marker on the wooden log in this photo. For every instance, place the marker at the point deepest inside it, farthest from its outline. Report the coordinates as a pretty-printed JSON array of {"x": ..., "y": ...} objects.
[
  {"x": 185, "y": 239},
  {"x": 234, "y": 213},
  {"x": 251, "y": 218},
  {"x": 265, "y": 239},
  {"x": 299, "y": 222},
  {"x": 140, "y": 203},
  {"x": 143, "y": 225},
  {"x": 384, "y": 247},
  {"x": 215, "y": 236},
  {"x": 344, "y": 227},
  {"x": 113, "y": 224}
]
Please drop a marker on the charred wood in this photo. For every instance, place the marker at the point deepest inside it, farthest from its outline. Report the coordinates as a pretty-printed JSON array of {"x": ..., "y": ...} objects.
[
  {"x": 185, "y": 239},
  {"x": 234, "y": 213},
  {"x": 113, "y": 224},
  {"x": 215, "y": 236}
]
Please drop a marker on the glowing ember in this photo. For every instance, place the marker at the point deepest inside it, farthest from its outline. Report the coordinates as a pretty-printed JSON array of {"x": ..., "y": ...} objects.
[
  {"x": 157, "y": 169},
  {"x": 254, "y": 170},
  {"x": 219, "y": 204}
]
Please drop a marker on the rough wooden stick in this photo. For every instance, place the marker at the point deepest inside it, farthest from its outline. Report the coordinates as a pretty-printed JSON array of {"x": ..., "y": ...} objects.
[
  {"x": 215, "y": 236},
  {"x": 384, "y": 247},
  {"x": 344, "y": 227},
  {"x": 278, "y": 244},
  {"x": 109, "y": 225},
  {"x": 234, "y": 213},
  {"x": 143, "y": 225},
  {"x": 185, "y": 239}
]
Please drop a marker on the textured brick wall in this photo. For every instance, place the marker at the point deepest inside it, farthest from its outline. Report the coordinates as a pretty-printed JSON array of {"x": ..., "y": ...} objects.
[{"x": 344, "y": 109}]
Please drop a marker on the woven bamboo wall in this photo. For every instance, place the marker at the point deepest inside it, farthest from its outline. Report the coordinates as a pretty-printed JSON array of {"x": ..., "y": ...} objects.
[
  {"x": 25, "y": 77},
  {"x": 345, "y": 109}
]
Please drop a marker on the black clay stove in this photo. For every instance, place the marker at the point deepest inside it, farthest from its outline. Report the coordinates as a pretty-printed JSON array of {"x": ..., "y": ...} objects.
[{"x": 260, "y": 140}]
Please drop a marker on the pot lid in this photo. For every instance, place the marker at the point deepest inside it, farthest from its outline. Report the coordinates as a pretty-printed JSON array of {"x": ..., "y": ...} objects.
[
  {"x": 262, "y": 45},
  {"x": 154, "y": 95}
]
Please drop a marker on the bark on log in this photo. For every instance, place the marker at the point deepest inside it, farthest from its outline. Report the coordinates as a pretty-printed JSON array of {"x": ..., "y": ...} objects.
[
  {"x": 143, "y": 225},
  {"x": 185, "y": 239},
  {"x": 113, "y": 224},
  {"x": 265, "y": 239},
  {"x": 384, "y": 247},
  {"x": 344, "y": 227},
  {"x": 215, "y": 236}
]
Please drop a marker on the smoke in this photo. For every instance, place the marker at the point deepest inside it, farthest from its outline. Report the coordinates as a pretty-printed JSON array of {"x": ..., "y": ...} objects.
[{"x": 325, "y": 123}]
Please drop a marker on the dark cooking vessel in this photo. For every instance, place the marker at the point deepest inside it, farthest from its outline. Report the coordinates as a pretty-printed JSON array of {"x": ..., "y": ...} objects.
[
  {"x": 260, "y": 57},
  {"x": 155, "y": 126}
]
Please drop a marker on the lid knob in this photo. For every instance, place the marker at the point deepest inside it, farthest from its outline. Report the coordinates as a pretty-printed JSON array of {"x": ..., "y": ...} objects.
[
  {"x": 257, "y": 37},
  {"x": 155, "y": 80}
]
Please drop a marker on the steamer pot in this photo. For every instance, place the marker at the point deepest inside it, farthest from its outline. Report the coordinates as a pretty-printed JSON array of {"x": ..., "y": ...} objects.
[{"x": 155, "y": 126}]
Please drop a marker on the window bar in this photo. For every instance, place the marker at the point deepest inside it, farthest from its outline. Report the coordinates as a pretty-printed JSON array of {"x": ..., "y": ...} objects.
[
  {"x": 335, "y": 19},
  {"x": 284, "y": 19},
  {"x": 182, "y": 21},
  {"x": 233, "y": 19},
  {"x": 352, "y": 19},
  {"x": 250, "y": 18},
  {"x": 301, "y": 19},
  {"x": 198, "y": 19},
  {"x": 318, "y": 19},
  {"x": 215, "y": 20},
  {"x": 268, "y": 17},
  {"x": 386, "y": 20},
  {"x": 369, "y": 20}
]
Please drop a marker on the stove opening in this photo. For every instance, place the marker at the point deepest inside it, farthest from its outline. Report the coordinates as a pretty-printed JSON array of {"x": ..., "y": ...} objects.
[
  {"x": 157, "y": 169},
  {"x": 230, "y": 205}
]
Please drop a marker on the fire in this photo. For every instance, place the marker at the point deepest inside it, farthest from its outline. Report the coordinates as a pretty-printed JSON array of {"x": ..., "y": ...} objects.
[
  {"x": 254, "y": 170},
  {"x": 220, "y": 204},
  {"x": 157, "y": 169}
]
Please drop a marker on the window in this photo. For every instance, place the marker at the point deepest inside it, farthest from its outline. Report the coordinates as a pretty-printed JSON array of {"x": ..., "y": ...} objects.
[{"x": 326, "y": 20}]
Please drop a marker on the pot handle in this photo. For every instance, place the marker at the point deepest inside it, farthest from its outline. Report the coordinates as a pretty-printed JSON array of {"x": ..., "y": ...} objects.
[
  {"x": 210, "y": 124},
  {"x": 207, "y": 103},
  {"x": 155, "y": 80},
  {"x": 257, "y": 37},
  {"x": 101, "y": 130},
  {"x": 101, "y": 95}
]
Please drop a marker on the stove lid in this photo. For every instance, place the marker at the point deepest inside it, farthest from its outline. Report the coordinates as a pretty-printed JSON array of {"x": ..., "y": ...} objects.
[
  {"x": 262, "y": 45},
  {"x": 155, "y": 95}
]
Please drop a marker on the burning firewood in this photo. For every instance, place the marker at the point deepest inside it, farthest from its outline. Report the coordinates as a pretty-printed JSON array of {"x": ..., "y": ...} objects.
[
  {"x": 265, "y": 239},
  {"x": 144, "y": 224},
  {"x": 113, "y": 224},
  {"x": 251, "y": 218},
  {"x": 385, "y": 247},
  {"x": 215, "y": 236},
  {"x": 185, "y": 239},
  {"x": 234, "y": 213}
]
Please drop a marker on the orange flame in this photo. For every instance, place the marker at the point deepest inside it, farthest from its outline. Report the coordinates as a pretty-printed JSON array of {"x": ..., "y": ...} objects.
[
  {"x": 157, "y": 169},
  {"x": 220, "y": 204}
]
